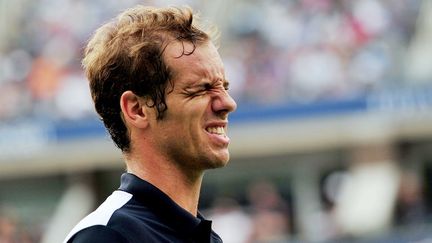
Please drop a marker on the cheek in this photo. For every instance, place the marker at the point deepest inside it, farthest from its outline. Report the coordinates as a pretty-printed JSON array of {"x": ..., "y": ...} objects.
[{"x": 189, "y": 115}]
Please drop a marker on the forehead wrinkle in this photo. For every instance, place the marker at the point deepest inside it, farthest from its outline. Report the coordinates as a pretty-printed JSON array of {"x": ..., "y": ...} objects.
[
  {"x": 214, "y": 71},
  {"x": 198, "y": 68}
]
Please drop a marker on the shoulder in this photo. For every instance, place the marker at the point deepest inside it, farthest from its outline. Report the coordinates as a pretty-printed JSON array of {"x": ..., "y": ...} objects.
[
  {"x": 97, "y": 233},
  {"x": 103, "y": 214}
]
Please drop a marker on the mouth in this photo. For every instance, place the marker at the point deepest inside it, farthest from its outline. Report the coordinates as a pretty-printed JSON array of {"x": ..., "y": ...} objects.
[
  {"x": 217, "y": 130},
  {"x": 218, "y": 134}
]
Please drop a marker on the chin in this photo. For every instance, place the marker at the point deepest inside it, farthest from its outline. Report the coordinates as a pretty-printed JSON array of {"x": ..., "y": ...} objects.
[{"x": 219, "y": 162}]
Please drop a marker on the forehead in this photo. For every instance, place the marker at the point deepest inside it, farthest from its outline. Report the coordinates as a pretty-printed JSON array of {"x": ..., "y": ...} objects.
[{"x": 204, "y": 62}]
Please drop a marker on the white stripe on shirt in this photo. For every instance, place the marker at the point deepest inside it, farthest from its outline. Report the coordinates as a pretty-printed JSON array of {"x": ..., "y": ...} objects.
[{"x": 103, "y": 213}]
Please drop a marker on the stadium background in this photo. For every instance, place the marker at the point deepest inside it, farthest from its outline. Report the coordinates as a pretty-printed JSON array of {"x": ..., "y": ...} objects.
[{"x": 332, "y": 140}]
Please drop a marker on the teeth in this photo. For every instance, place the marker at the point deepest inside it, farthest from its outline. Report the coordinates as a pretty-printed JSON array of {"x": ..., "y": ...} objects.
[
  {"x": 220, "y": 130},
  {"x": 216, "y": 130}
]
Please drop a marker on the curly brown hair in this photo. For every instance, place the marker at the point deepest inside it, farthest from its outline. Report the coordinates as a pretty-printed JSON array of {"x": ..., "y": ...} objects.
[{"x": 126, "y": 54}]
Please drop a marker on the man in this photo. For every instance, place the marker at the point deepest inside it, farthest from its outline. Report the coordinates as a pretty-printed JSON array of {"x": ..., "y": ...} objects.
[{"x": 158, "y": 84}]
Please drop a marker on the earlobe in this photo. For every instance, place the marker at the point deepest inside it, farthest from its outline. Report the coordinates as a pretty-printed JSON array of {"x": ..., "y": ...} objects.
[{"x": 132, "y": 107}]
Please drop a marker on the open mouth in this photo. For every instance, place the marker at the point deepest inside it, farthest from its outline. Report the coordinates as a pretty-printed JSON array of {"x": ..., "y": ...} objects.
[{"x": 218, "y": 130}]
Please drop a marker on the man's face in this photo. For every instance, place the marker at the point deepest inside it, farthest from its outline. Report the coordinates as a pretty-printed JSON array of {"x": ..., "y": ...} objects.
[{"x": 193, "y": 132}]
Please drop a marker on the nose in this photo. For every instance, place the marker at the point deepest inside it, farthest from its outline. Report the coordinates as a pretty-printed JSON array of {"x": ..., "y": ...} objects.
[{"x": 223, "y": 103}]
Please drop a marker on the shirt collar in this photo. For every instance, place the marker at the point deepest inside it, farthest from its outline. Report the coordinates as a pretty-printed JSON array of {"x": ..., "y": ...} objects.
[{"x": 163, "y": 206}]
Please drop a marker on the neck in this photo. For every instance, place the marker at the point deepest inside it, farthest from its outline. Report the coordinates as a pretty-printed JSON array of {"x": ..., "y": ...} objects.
[{"x": 181, "y": 186}]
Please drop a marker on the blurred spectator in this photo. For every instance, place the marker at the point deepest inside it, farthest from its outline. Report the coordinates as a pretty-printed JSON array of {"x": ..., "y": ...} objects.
[
  {"x": 410, "y": 205},
  {"x": 11, "y": 231},
  {"x": 269, "y": 213},
  {"x": 8, "y": 230},
  {"x": 323, "y": 224},
  {"x": 265, "y": 219},
  {"x": 368, "y": 191},
  {"x": 269, "y": 227}
]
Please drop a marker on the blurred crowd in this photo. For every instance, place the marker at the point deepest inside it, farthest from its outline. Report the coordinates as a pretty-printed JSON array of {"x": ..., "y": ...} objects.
[
  {"x": 269, "y": 217},
  {"x": 310, "y": 50},
  {"x": 275, "y": 52},
  {"x": 266, "y": 217},
  {"x": 12, "y": 230}
]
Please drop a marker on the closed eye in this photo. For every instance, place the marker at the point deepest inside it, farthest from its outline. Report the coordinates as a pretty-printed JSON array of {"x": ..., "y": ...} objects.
[
  {"x": 207, "y": 86},
  {"x": 204, "y": 87}
]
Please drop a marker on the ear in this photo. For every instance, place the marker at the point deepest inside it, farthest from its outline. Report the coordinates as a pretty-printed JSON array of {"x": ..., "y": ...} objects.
[{"x": 134, "y": 110}]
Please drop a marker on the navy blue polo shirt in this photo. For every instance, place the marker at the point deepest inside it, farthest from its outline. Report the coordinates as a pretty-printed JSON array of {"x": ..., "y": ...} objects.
[{"x": 139, "y": 212}]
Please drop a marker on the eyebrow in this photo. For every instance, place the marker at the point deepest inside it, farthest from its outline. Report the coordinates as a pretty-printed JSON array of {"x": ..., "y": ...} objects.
[{"x": 201, "y": 84}]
